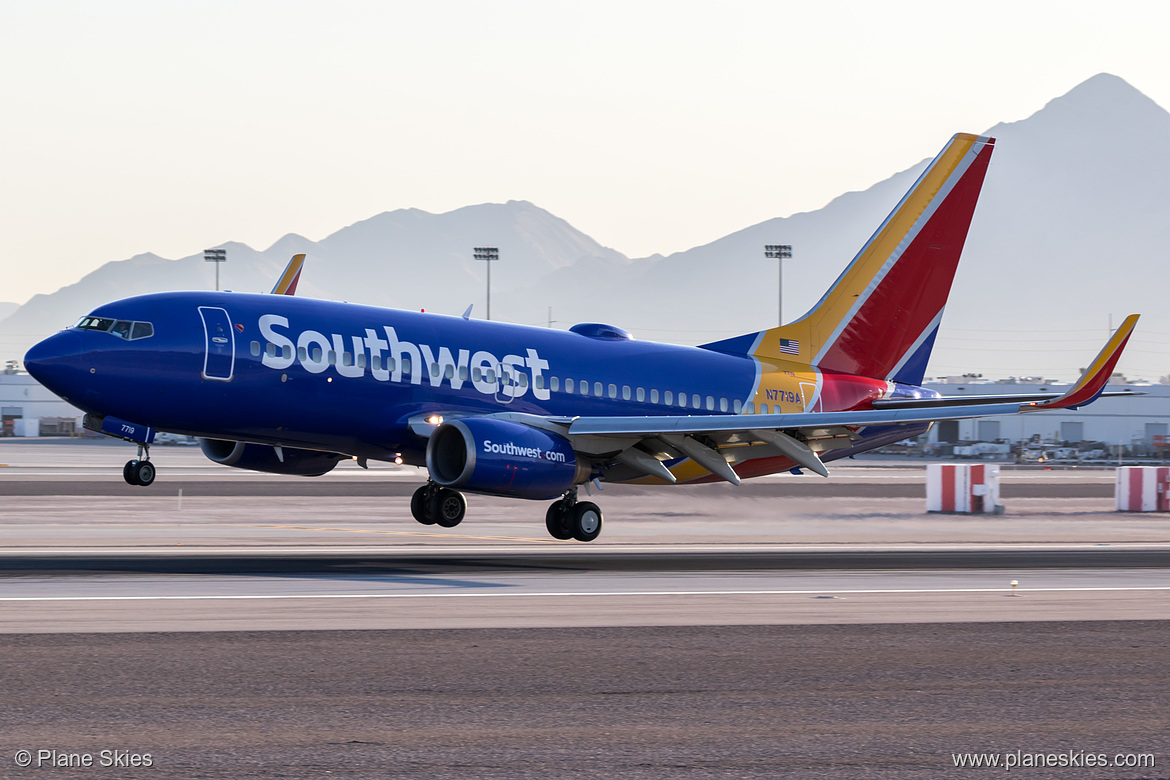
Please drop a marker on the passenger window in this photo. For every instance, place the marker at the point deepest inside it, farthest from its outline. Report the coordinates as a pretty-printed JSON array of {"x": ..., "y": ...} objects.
[
  {"x": 463, "y": 373},
  {"x": 405, "y": 365},
  {"x": 522, "y": 380},
  {"x": 538, "y": 382},
  {"x": 723, "y": 404},
  {"x": 695, "y": 401},
  {"x": 710, "y": 404},
  {"x": 641, "y": 394},
  {"x": 390, "y": 363},
  {"x": 669, "y": 398},
  {"x": 142, "y": 330},
  {"x": 597, "y": 389},
  {"x": 361, "y": 360},
  {"x": 749, "y": 408},
  {"x": 449, "y": 372},
  {"x": 625, "y": 392},
  {"x": 255, "y": 349},
  {"x": 569, "y": 386},
  {"x": 491, "y": 373},
  {"x": 613, "y": 391},
  {"x": 286, "y": 352},
  {"x": 434, "y": 369},
  {"x": 584, "y": 387},
  {"x": 376, "y": 362},
  {"x": 554, "y": 384},
  {"x": 737, "y": 407},
  {"x": 270, "y": 349},
  {"x": 654, "y": 396},
  {"x": 476, "y": 374},
  {"x": 332, "y": 358},
  {"x": 682, "y": 400},
  {"x": 316, "y": 354}
]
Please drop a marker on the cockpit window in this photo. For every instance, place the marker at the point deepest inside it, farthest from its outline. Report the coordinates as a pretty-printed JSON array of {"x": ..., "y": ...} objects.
[
  {"x": 123, "y": 329},
  {"x": 94, "y": 323}
]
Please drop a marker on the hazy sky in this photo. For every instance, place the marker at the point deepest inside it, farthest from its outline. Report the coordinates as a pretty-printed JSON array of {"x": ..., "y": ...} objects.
[{"x": 166, "y": 127}]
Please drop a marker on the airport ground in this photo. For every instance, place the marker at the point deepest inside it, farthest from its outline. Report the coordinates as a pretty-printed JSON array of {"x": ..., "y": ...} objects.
[{"x": 259, "y": 626}]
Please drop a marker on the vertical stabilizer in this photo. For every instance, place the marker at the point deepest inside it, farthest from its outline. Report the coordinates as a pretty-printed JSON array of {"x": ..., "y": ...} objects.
[{"x": 880, "y": 317}]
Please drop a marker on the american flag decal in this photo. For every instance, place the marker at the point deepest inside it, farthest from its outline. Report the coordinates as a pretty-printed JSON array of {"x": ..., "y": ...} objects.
[{"x": 789, "y": 346}]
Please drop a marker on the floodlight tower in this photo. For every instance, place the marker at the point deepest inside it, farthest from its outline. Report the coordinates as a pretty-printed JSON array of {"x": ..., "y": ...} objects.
[
  {"x": 779, "y": 252},
  {"x": 216, "y": 256},
  {"x": 488, "y": 254}
]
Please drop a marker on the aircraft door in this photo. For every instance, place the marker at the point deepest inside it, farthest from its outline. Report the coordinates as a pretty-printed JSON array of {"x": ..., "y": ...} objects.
[{"x": 220, "y": 358}]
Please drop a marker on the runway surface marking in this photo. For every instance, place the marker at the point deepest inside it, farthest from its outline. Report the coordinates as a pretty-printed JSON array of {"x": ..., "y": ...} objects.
[
  {"x": 593, "y": 594},
  {"x": 406, "y": 533}
]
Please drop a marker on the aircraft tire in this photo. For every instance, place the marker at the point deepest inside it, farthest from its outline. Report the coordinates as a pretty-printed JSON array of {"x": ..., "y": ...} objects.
[
  {"x": 419, "y": 507},
  {"x": 448, "y": 507},
  {"x": 555, "y": 521},
  {"x": 586, "y": 521},
  {"x": 144, "y": 473},
  {"x": 128, "y": 472}
]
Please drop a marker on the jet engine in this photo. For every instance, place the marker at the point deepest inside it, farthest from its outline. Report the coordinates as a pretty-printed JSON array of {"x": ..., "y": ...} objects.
[
  {"x": 261, "y": 457},
  {"x": 503, "y": 458}
]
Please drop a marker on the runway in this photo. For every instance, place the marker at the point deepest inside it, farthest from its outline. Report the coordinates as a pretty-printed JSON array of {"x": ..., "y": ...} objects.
[
  {"x": 262, "y": 626},
  {"x": 280, "y": 589},
  {"x": 800, "y": 702}
]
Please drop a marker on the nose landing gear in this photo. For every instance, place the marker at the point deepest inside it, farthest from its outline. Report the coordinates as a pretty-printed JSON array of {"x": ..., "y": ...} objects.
[{"x": 139, "y": 471}]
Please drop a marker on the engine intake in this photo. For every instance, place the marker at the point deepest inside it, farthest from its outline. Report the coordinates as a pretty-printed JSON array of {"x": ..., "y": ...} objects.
[
  {"x": 503, "y": 458},
  {"x": 261, "y": 457}
]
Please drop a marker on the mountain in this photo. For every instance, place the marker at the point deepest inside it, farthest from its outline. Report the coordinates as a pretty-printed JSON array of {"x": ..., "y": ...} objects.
[
  {"x": 1070, "y": 229},
  {"x": 406, "y": 259}
]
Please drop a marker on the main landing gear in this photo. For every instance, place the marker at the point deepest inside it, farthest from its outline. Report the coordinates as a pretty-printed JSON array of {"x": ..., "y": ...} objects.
[
  {"x": 569, "y": 518},
  {"x": 434, "y": 505},
  {"x": 139, "y": 471}
]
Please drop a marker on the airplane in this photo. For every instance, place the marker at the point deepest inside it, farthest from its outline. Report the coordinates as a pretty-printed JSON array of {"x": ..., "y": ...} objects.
[{"x": 291, "y": 385}]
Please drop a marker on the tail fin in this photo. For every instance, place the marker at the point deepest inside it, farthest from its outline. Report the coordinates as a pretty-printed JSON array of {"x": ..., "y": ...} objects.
[
  {"x": 287, "y": 284},
  {"x": 880, "y": 317}
]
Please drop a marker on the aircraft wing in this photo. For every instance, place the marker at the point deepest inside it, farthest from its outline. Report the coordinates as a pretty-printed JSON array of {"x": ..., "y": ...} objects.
[
  {"x": 287, "y": 283},
  {"x": 711, "y": 440}
]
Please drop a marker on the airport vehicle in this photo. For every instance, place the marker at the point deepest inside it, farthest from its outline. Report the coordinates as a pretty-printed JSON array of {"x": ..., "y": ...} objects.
[{"x": 290, "y": 385}]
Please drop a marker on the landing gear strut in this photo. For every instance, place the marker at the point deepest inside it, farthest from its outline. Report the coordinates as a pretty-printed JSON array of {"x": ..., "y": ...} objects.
[
  {"x": 569, "y": 518},
  {"x": 434, "y": 505},
  {"x": 139, "y": 471}
]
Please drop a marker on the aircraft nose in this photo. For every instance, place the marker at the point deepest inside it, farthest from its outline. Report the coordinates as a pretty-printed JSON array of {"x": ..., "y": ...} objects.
[{"x": 56, "y": 362}]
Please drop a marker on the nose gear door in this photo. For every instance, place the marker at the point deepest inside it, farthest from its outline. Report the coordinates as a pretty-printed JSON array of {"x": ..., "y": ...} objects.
[{"x": 220, "y": 358}]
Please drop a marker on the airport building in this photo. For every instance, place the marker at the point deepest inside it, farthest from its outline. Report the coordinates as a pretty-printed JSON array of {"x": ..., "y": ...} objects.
[
  {"x": 28, "y": 409},
  {"x": 1138, "y": 422}
]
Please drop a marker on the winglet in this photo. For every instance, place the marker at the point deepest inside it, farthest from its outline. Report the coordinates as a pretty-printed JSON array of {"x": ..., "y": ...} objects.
[
  {"x": 1095, "y": 377},
  {"x": 292, "y": 274}
]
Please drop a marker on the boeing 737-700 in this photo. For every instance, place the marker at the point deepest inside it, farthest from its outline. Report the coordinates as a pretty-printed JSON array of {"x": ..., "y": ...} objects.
[{"x": 291, "y": 385}]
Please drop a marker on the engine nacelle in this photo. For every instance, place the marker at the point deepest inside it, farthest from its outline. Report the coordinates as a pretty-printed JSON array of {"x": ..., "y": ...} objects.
[
  {"x": 503, "y": 458},
  {"x": 261, "y": 457}
]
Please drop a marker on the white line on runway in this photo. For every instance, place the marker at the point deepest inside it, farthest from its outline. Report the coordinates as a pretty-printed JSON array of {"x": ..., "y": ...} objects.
[{"x": 593, "y": 594}]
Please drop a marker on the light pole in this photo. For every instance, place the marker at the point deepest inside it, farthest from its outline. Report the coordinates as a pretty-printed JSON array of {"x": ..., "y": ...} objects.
[
  {"x": 779, "y": 252},
  {"x": 216, "y": 256},
  {"x": 488, "y": 254}
]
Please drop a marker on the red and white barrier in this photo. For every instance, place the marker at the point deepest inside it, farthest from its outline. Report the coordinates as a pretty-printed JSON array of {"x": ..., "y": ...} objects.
[
  {"x": 1143, "y": 489},
  {"x": 962, "y": 488}
]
